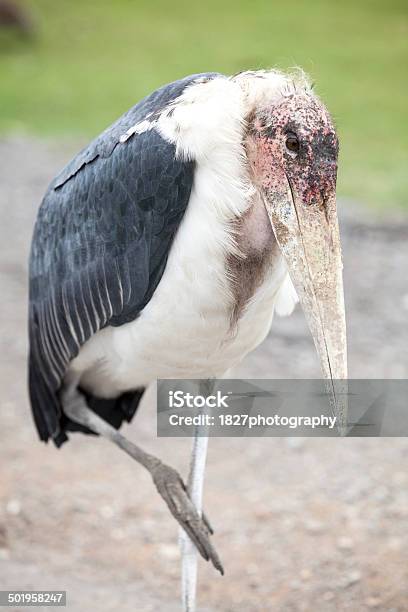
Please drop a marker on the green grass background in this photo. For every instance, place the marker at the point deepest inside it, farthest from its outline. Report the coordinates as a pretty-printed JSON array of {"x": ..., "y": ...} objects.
[{"x": 91, "y": 60}]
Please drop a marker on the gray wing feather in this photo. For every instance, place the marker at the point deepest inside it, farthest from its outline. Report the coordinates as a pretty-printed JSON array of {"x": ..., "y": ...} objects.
[{"x": 100, "y": 246}]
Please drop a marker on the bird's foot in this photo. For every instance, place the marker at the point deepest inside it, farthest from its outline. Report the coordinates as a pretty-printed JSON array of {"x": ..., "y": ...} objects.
[{"x": 173, "y": 490}]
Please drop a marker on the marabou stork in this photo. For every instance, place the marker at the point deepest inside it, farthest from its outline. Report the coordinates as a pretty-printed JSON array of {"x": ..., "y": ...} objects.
[{"x": 163, "y": 249}]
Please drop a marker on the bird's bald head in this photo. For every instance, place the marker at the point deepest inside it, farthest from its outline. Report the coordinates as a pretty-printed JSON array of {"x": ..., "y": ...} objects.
[
  {"x": 292, "y": 150},
  {"x": 294, "y": 140}
]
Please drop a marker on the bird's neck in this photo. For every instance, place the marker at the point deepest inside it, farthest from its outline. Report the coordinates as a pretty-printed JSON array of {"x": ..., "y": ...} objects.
[{"x": 256, "y": 257}]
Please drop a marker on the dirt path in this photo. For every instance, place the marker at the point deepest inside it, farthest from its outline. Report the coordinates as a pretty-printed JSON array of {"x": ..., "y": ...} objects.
[{"x": 302, "y": 524}]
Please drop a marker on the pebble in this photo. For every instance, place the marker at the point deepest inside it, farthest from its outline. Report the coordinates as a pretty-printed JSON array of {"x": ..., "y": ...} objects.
[
  {"x": 295, "y": 584},
  {"x": 345, "y": 543},
  {"x": 372, "y": 602},
  {"x": 13, "y": 507},
  {"x": 314, "y": 526},
  {"x": 395, "y": 544},
  {"x": 305, "y": 573},
  {"x": 295, "y": 443},
  {"x": 168, "y": 551},
  {"x": 352, "y": 578},
  {"x": 106, "y": 512}
]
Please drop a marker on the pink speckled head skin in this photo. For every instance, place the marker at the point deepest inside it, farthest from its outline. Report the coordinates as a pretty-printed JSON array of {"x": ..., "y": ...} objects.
[
  {"x": 292, "y": 148},
  {"x": 312, "y": 170}
]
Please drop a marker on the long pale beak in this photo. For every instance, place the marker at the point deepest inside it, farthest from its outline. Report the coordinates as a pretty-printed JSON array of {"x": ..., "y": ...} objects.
[{"x": 308, "y": 236}]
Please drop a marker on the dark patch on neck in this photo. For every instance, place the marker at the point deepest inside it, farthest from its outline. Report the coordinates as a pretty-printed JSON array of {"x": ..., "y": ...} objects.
[{"x": 247, "y": 273}]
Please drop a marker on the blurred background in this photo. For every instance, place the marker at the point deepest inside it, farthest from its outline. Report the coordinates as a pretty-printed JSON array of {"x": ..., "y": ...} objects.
[
  {"x": 76, "y": 65},
  {"x": 301, "y": 524}
]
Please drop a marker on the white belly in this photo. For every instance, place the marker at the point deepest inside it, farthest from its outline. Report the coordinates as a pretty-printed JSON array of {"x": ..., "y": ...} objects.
[
  {"x": 178, "y": 335},
  {"x": 185, "y": 329}
]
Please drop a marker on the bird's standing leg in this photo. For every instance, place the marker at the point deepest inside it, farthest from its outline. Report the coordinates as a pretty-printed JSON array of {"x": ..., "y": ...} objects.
[
  {"x": 168, "y": 482},
  {"x": 189, "y": 560},
  {"x": 188, "y": 550}
]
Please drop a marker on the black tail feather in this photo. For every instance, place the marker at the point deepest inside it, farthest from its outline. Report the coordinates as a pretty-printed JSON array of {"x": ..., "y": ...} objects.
[{"x": 114, "y": 411}]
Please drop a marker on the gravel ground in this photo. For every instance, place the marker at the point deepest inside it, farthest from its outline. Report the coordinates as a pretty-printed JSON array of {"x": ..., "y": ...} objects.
[{"x": 301, "y": 524}]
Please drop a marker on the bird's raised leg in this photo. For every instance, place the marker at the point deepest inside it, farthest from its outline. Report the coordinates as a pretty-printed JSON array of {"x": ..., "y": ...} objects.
[
  {"x": 168, "y": 482},
  {"x": 189, "y": 559}
]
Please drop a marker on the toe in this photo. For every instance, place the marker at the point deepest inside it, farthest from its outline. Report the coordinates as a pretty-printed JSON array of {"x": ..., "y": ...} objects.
[{"x": 172, "y": 489}]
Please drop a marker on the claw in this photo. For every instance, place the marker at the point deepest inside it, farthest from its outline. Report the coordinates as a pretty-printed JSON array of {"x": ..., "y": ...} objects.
[
  {"x": 172, "y": 489},
  {"x": 207, "y": 524}
]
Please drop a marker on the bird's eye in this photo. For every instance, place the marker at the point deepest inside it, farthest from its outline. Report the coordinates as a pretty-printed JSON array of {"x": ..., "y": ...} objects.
[{"x": 292, "y": 143}]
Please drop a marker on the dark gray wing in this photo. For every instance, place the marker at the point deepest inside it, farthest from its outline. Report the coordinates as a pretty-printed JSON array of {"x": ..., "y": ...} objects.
[{"x": 100, "y": 246}]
